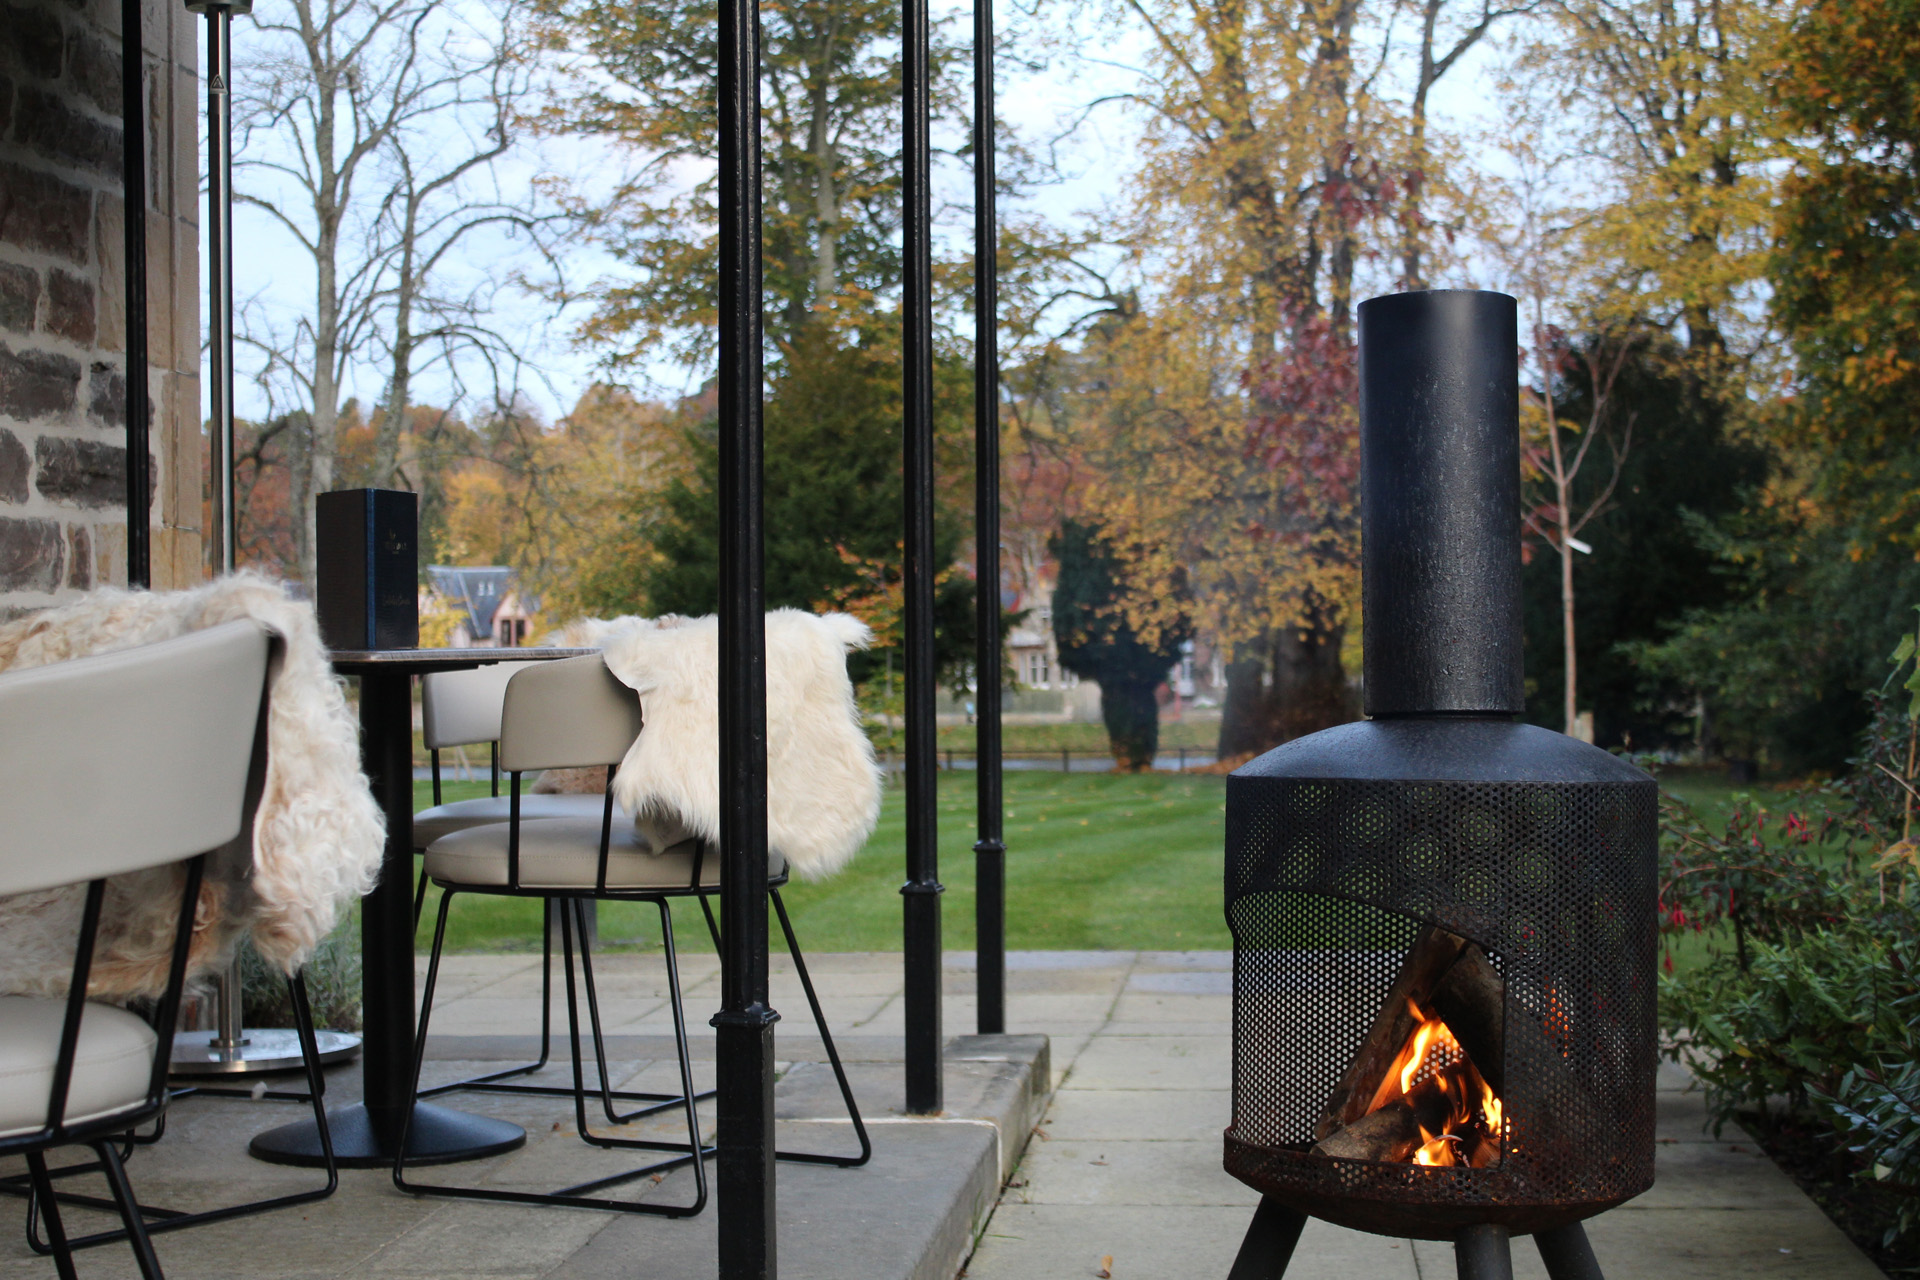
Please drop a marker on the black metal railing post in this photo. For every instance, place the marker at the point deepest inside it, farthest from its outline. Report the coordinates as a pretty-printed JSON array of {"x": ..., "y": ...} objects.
[
  {"x": 921, "y": 892},
  {"x": 990, "y": 850},
  {"x": 133, "y": 178},
  {"x": 744, "y": 1177}
]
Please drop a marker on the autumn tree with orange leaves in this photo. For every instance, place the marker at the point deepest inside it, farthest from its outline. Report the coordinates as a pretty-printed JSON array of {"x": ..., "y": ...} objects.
[{"x": 1279, "y": 175}]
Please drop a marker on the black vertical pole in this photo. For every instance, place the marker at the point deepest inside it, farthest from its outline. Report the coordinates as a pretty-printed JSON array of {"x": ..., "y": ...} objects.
[
  {"x": 220, "y": 271},
  {"x": 386, "y": 914},
  {"x": 990, "y": 850},
  {"x": 133, "y": 176},
  {"x": 744, "y": 1025},
  {"x": 922, "y": 889}
]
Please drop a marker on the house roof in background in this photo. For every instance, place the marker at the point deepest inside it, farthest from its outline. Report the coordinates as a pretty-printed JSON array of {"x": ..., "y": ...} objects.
[{"x": 476, "y": 589}]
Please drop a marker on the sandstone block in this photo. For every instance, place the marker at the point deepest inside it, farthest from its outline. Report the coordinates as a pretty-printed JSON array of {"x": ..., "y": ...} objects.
[
  {"x": 85, "y": 473},
  {"x": 46, "y": 122},
  {"x": 40, "y": 211},
  {"x": 107, "y": 395},
  {"x": 15, "y": 467},
  {"x": 37, "y": 384},
  {"x": 94, "y": 66},
  {"x": 110, "y": 308},
  {"x": 70, "y": 306},
  {"x": 35, "y": 44},
  {"x": 79, "y": 557},
  {"x": 19, "y": 296},
  {"x": 30, "y": 555}
]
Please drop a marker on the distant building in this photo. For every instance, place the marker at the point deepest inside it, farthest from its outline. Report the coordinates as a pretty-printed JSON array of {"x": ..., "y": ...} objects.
[{"x": 491, "y": 610}]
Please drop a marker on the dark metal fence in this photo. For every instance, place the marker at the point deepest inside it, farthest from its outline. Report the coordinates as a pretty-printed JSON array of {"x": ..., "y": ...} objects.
[
  {"x": 921, "y": 892},
  {"x": 744, "y": 1175},
  {"x": 989, "y": 849}
]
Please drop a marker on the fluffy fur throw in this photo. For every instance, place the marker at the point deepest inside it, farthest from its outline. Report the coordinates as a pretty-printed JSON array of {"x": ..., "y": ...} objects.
[
  {"x": 823, "y": 787},
  {"x": 317, "y": 835}
]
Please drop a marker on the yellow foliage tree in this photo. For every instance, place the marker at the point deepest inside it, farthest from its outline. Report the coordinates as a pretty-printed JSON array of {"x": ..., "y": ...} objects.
[
  {"x": 1671, "y": 97},
  {"x": 1218, "y": 415}
]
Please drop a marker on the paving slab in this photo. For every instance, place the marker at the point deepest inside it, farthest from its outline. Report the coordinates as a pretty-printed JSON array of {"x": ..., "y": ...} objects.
[
  {"x": 1116, "y": 1061},
  {"x": 910, "y": 1214},
  {"x": 1066, "y": 1242}
]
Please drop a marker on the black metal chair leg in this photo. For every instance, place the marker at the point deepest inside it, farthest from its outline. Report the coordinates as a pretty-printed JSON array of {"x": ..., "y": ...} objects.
[
  {"x": 656, "y": 1102},
  {"x": 1269, "y": 1243},
  {"x": 1567, "y": 1254},
  {"x": 420, "y": 1034},
  {"x": 713, "y": 926},
  {"x": 491, "y": 1081},
  {"x": 1483, "y": 1252},
  {"x": 173, "y": 1219},
  {"x": 56, "y": 1231},
  {"x": 833, "y": 1056},
  {"x": 129, "y": 1211},
  {"x": 574, "y": 1196}
]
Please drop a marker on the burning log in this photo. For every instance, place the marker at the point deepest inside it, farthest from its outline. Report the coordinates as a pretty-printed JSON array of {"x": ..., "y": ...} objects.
[
  {"x": 1472, "y": 1000},
  {"x": 1390, "y": 1134},
  {"x": 1433, "y": 954}
]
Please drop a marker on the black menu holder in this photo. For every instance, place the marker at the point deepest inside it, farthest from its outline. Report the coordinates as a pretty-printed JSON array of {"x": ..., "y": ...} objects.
[{"x": 367, "y": 593}]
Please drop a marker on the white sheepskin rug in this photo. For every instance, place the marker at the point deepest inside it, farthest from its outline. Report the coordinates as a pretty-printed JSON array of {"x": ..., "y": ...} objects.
[
  {"x": 317, "y": 835},
  {"x": 823, "y": 786}
]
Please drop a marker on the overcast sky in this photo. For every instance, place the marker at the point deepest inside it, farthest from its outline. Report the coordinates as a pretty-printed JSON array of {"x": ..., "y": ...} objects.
[{"x": 274, "y": 278}]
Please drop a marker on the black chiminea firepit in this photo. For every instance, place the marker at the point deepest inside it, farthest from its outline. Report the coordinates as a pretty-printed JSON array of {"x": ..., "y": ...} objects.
[{"x": 1443, "y": 920}]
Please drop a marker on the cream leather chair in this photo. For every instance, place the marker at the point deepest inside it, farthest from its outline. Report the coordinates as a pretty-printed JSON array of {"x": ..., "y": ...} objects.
[
  {"x": 109, "y": 765},
  {"x": 462, "y": 709},
  {"x": 576, "y": 714}
]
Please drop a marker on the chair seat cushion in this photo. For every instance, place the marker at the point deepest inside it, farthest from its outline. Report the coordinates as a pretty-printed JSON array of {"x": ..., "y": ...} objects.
[
  {"x": 445, "y": 819},
  {"x": 564, "y": 853},
  {"x": 112, "y": 1062}
]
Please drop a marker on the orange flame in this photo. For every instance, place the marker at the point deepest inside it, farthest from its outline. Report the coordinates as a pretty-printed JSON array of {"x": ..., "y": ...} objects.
[{"x": 1461, "y": 1120}]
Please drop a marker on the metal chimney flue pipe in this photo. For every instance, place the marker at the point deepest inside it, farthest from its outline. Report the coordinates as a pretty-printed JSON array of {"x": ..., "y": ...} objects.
[{"x": 1440, "y": 503}]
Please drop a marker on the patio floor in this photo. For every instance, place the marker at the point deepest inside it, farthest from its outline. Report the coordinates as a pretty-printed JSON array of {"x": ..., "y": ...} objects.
[{"x": 1125, "y": 1165}]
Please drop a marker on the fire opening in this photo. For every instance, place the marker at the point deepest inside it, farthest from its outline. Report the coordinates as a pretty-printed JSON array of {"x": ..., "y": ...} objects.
[
  {"x": 1425, "y": 1086},
  {"x": 1448, "y": 1104}
]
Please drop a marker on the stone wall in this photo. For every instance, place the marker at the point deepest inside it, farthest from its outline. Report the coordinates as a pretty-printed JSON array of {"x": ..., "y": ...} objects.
[{"x": 63, "y": 304}]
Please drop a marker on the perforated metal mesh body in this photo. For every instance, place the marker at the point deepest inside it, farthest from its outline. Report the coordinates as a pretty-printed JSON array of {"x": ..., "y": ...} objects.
[{"x": 1340, "y": 847}]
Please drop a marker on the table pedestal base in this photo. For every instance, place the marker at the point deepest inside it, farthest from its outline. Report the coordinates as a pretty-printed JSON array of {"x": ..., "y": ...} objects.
[{"x": 438, "y": 1135}]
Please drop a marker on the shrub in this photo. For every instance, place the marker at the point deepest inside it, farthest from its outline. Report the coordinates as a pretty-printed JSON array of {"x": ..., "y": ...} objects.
[{"x": 1809, "y": 1001}]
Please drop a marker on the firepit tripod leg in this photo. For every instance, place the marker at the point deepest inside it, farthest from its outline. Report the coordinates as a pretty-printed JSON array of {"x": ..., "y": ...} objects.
[
  {"x": 1567, "y": 1254},
  {"x": 1483, "y": 1252},
  {"x": 1269, "y": 1244}
]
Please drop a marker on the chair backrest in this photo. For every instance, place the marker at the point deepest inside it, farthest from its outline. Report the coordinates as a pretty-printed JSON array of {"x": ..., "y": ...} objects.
[
  {"x": 127, "y": 760},
  {"x": 566, "y": 715},
  {"x": 461, "y": 708}
]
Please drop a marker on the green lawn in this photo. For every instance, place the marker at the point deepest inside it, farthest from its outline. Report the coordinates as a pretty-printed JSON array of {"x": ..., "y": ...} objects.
[
  {"x": 1093, "y": 861},
  {"x": 1080, "y": 736}
]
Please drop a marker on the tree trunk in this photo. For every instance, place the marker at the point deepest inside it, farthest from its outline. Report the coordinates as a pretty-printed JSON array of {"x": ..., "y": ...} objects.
[
  {"x": 1309, "y": 685},
  {"x": 1248, "y": 723},
  {"x": 393, "y": 419},
  {"x": 1132, "y": 716},
  {"x": 1291, "y": 685}
]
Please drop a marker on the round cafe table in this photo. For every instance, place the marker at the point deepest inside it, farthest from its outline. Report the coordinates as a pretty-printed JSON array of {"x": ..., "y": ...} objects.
[{"x": 366, "y": 1133}]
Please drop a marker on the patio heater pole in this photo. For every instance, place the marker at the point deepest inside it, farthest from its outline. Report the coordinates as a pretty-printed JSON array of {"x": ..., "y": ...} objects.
[
  {"x": 232, "y": 1049},
  {"x": 990, "y": 850},
  {"x": 921, "y": 892},
  {"x": 744, "y": 1025},
  {"x": 133, "y": 177},
  {"x": 220, "y": 253}
]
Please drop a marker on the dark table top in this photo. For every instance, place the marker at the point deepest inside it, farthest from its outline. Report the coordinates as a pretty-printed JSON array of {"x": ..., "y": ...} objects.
[{"x": 353, "y": 662}]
